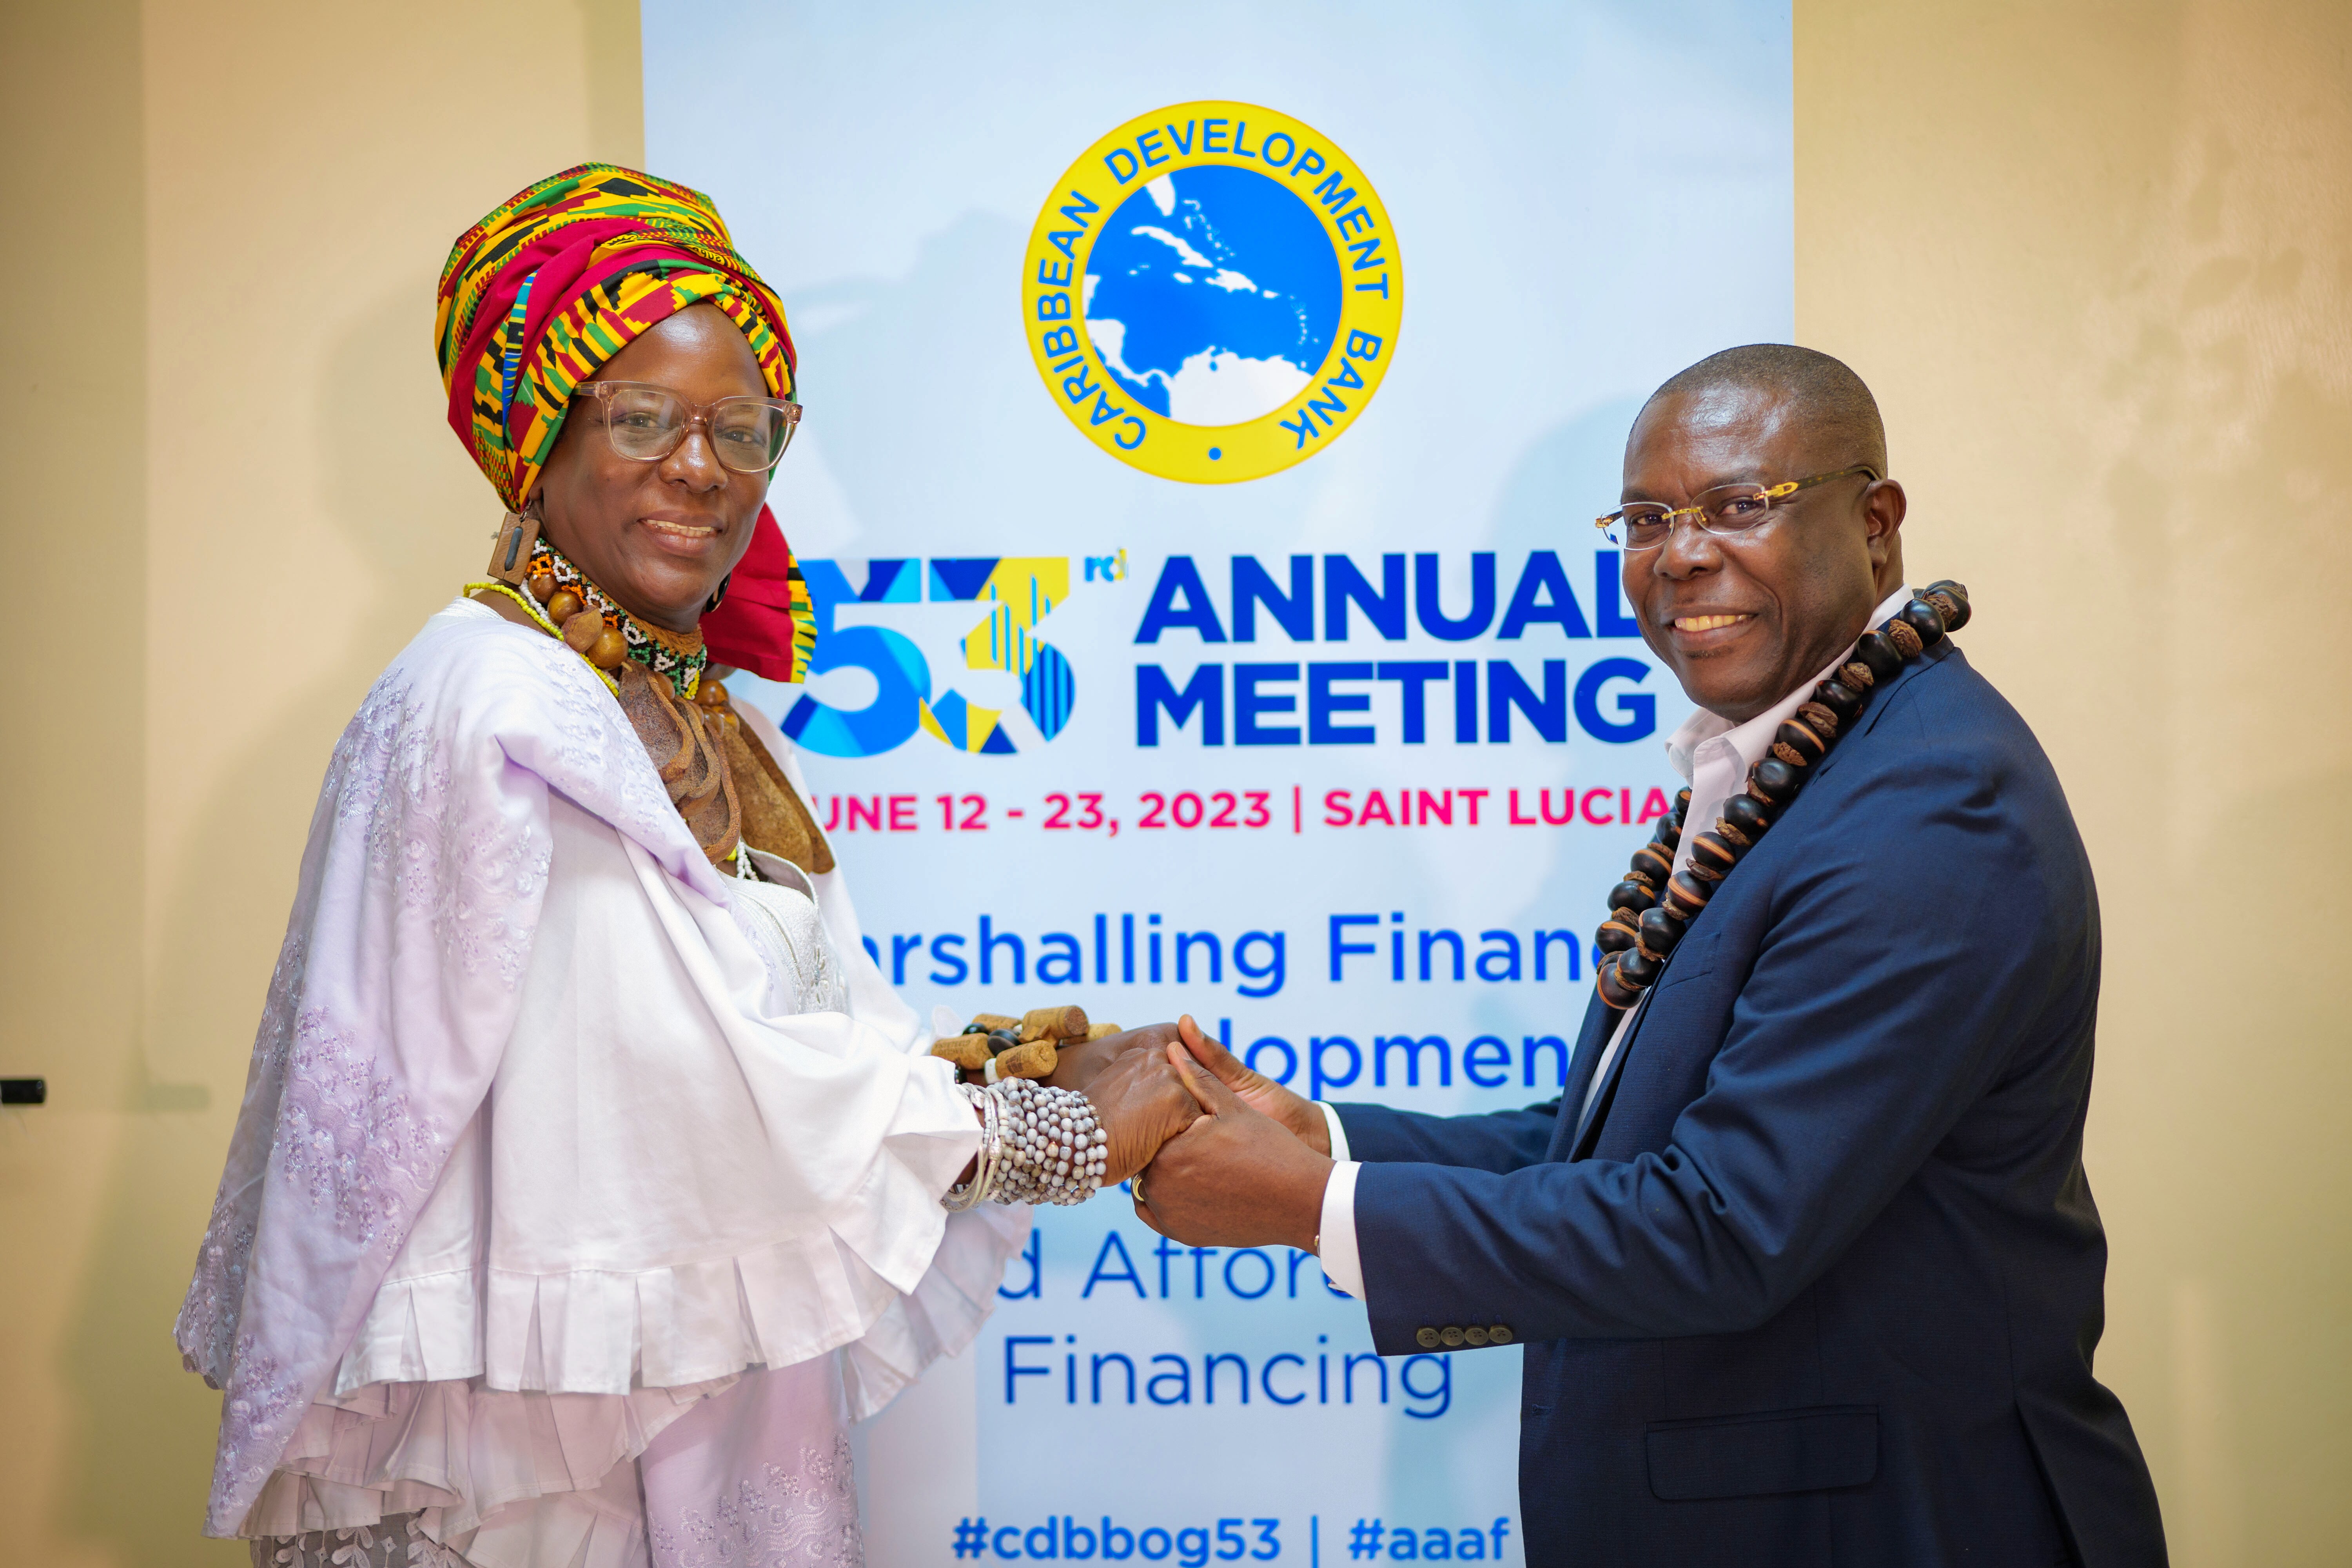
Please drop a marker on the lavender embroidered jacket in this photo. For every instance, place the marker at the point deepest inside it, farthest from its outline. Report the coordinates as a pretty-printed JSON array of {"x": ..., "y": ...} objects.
[{"x": 530, "y": 1118}]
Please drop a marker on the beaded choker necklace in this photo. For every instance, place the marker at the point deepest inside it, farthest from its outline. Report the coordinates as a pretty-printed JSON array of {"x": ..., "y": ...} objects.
[
  {"x": 562, "y": 599},
  {"x": 1651, "y": 909}
]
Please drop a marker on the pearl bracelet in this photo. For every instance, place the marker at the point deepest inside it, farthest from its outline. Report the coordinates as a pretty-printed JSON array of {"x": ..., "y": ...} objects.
[{"x": 1037, "y": 1145}]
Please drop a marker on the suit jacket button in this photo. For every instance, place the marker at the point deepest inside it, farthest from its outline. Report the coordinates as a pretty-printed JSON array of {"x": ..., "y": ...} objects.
[
  {"x": 1473, "y": 1336},
  {"x": 1452, "y": 1336},
  {"x": 1427, "y": 1338},
  {"x": 1500, "y": 1335}
]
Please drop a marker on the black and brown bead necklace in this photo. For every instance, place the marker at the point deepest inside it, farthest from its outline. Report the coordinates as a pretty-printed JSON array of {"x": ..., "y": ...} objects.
[{"x": 1653, "y": 906}]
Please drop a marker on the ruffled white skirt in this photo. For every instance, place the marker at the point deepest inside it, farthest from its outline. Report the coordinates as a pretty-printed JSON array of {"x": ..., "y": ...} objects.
[{"x": 598, "y": 1348}]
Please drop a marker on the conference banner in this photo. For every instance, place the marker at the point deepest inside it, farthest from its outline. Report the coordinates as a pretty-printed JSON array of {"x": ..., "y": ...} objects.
[{"x": 1207, "y": 409}]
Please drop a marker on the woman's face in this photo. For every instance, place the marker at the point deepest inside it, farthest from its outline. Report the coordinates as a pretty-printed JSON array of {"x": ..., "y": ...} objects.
[{"x": 659, "y": 537}]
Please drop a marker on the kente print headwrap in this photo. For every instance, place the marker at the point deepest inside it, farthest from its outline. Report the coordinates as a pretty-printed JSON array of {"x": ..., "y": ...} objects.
[
  {"x": 536, "y": 296},
  {"x": 558, "y": 279}
]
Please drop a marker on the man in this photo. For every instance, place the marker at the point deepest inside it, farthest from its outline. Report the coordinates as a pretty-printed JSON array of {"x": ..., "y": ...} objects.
[{"x": 1805, "y": 1260}]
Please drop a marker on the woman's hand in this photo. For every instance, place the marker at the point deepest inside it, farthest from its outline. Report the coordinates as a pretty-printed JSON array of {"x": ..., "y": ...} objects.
[
  {"x": 1079, "y": 1065},
  {"x": 1300, "y": 1116},
  {"x": 1142, "y": 1102}
]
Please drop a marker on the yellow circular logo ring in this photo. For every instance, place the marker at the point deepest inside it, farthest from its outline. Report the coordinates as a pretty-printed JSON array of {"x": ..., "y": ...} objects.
[{"x": 1213, "y": 292}]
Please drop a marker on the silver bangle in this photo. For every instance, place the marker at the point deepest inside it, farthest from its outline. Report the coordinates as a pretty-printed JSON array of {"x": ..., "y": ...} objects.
[{"x": 989, "y": 1162}]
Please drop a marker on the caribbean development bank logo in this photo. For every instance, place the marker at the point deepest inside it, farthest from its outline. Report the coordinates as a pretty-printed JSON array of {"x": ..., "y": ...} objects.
[{"x": 1213, "y": 292}]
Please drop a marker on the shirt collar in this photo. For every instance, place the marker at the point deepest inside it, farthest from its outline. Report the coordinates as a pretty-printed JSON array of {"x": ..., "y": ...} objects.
[{"x": 1754, "y": 738}]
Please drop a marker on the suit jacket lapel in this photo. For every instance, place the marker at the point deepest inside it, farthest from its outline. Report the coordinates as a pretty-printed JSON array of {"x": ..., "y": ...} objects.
[
  {"x": 1598, "y": 1023},
  {"x": 1589, "y": 1133},
  {"x": 1574, "y": 1138}
]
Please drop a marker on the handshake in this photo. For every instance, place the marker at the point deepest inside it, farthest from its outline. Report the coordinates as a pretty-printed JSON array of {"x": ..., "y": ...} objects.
[{"x": 1219, "y": 1155}]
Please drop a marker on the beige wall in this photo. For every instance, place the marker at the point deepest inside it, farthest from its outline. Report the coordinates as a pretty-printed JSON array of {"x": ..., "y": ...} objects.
[
  {"x": 2097, "y": 261},
  {"x": 233, "y": 495},
  {"x": 2094, "y": 260}
]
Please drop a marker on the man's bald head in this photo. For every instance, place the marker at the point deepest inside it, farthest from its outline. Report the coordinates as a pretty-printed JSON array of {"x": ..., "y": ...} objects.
[
  {"x": 1835, "y": 409},
  {"x": 1744, "y": 618}
]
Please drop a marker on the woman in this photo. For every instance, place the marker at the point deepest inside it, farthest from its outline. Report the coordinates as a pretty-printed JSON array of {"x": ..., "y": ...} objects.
[{"x": 589, "y": 1177}]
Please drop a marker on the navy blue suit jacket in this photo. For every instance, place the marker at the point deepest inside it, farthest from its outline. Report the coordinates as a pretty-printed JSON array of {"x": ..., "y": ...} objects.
[{"x": 1820, "y": 1281}]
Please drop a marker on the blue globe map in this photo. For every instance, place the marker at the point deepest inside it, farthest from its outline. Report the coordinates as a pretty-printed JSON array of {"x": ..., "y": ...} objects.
[{"x": 1212, "y": 295}]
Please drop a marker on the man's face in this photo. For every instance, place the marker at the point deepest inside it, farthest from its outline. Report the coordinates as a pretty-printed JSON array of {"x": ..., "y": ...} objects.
[{"x": 1743, "y": 621}]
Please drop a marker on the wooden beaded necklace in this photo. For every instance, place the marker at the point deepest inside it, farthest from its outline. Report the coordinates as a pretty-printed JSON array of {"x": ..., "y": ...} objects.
[
  {"x": 1653, "y": 906},
  {"x": 560, "y": 597}
]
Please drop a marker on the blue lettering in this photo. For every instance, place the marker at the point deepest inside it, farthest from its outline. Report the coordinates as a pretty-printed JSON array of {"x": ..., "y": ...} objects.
[
  {"x": 1530, "y": 1044},
  {"x": 1082, "y": 208},
  {"x": 1117, "y": 157},
  {"x": 1316, "y": 1079},
  {"x": 1413, "y": 679},
  {"x": 1120, "y": 436},
  {"x": 1608, "y": 593},
  {"x": 1212, "y": 136},
  {"x": 1640, "y": 707},
  {"x": 1154, "y": 154},
  {"x": 1431, "y": 610},
  {"x": 1179, "y": 577},
  {"x": 1322, "y": 702},
  {"x": 1302, "y": 429},
  {"x": 1342, "y": 948},
  {"x": 1335, "y": 195},
  {"x": 940, "y": 955},
  {"x": 1288, "y": 148},
  {"x": 1183, "y": 142},
  {"x": 1497, "y": 961},
  {"x": 1413, "y": 1048},
  {"x": 1249, "y": 702},
  {"x": 1102, "y": 1275},
  {"x": 1014, "y": 1369},
  {"x": 1568, "y": 940},
  {"x": 1293, "y": 612},
  {"x": 1543, "y": 575},
  {"x": 1343, "y": 585},
  {"x": 1154, "y": 691},
  {"x": 1506, "y": 689},
  {"x": 1485, "y": 1051},
  {"x": 1268, "y": 975}
]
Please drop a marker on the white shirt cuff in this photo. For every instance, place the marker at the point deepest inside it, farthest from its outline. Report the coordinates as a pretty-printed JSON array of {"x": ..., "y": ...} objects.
[
  {"x": 1338, "y": 1237},
  {"x": 1332, "y": 1123}
]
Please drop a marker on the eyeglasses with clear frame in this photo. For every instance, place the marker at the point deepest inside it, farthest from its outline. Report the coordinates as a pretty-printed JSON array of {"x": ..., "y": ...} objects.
[
  {"x": 1727, "y": 511},
  {"x": 646, "y": 423}
]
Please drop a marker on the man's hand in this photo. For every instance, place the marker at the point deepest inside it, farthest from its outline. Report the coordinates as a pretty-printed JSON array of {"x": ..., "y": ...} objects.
[
  {"x": 1301, "y": 1116},
  {"x": 1142, "y": 1101},
  {"x": 1079, "y": 1066},
  {"x": 1235, "y": 1177}
]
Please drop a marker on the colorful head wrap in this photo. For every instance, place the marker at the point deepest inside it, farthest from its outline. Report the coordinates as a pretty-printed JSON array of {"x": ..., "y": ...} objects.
[{"x": 539, "y": 295}]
